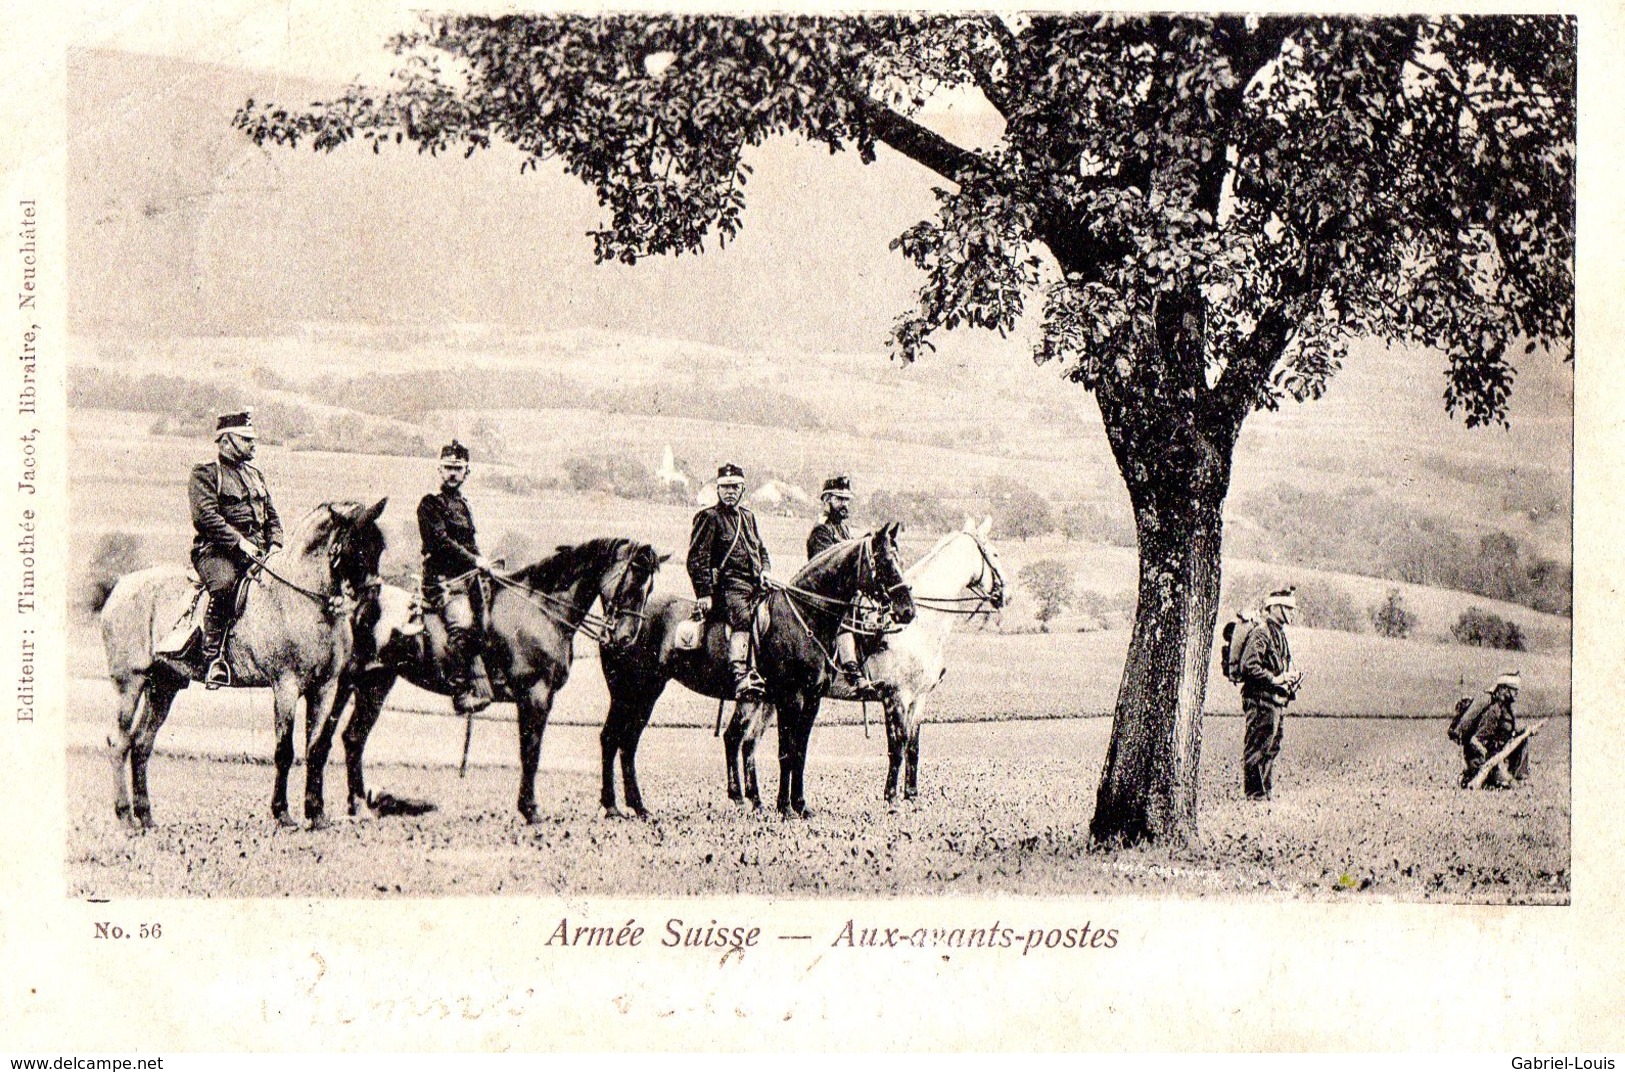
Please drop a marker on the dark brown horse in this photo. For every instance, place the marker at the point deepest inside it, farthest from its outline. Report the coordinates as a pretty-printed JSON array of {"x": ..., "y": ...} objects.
[
  {"x": 535, "y": 613},
  {"x": 295, "y": 636},
  {"x": 793, "y": 655}
]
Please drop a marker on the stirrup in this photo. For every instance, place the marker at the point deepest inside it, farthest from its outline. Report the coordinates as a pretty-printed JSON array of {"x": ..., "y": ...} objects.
[
  {"x": 752, "y": 688},
  {"x": 218, "y": 675}
]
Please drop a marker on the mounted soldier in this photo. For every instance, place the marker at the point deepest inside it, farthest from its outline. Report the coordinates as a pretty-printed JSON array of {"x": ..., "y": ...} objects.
[
  {"x": 453, "y": 579},
  {"x": 235, "y": 525},
  {"x": 728, "y": 564},
  {"x": 832, "y": 530}
]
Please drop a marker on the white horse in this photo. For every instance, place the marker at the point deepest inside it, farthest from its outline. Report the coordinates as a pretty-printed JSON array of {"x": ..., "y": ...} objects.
[{"x": 960, "y": 577}]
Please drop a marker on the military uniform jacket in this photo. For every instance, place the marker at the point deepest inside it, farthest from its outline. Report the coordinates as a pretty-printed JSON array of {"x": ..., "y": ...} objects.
[
  {"x": 725, "y": 546},
  {"x": 231, "y": 502},
  {"x": 447, "y": 528},
  {"x": 826, "y": 534},
  {"x": 1265, "y": 656},
  {"x": 1489, "y": 724}
]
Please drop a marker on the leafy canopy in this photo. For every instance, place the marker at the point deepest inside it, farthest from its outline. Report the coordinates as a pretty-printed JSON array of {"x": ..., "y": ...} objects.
[{"x": 1202, "y": 207}]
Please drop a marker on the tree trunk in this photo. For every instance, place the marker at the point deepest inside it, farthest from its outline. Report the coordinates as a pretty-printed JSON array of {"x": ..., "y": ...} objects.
[{"x": 1175, "y": 456}]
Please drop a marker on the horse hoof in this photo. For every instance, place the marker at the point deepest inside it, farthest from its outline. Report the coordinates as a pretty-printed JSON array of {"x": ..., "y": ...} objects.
[
  {"x": 122, "y": 811},
  {"x": 531, "y": 818},
  {"x": 641, "y": 813},
  {"x": 613, "y": 812},
  {"x": 319, "y": 822},
  {"x": 283, "y": 819}
]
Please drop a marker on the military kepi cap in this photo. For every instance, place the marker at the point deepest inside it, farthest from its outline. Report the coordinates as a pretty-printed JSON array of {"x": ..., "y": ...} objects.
[
  {"x": 1282, "y": 597},
  {"x": 454, "y": 452},
  {"x": 729, "y": 473},
  {"x": 240, "y": 424},
  {"x": 1509, "y": 679},
  {"x": 838, "y": 485}
]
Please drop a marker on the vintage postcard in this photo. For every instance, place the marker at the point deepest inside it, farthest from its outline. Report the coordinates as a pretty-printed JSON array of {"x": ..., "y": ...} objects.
[{"x": 962, "y": 529}]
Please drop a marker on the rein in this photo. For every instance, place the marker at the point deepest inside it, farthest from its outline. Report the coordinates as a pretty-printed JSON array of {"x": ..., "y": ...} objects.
[
  {"x": 327, "y": 601},
  {"x": 982, "y": 600},
  {"x": 595, "y": 627}
]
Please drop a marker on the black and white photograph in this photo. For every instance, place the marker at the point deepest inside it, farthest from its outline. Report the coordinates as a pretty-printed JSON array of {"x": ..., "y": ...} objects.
[{"x": 986, "y": 485}]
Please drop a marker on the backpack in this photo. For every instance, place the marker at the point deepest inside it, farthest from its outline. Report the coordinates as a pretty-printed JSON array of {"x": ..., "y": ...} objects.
[{"x": 1235, "y": 634}]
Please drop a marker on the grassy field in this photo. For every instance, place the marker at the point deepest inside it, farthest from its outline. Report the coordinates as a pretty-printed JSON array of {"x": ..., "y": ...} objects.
[
  {"x": 1363, "y": 810},
  {"x": 1366, "y": 806}
]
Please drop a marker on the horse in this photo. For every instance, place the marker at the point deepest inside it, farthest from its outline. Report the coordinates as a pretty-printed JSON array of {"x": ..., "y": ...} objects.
[
  {"x": 295, "y": 635},
  {"x": 795, "y": 627},
  {"x": 534, "y": 614},
  {"x": 908, "y": 664}
]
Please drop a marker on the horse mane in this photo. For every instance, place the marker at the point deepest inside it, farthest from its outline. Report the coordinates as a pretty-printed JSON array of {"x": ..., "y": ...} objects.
[
  {"x": 317, "y": 527},
  {"x": 569, "y": 564},
  {"x": 825, "y": 561}
]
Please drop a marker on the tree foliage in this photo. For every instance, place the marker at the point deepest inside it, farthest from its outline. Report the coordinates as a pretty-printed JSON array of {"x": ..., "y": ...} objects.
[
  {"x": 1201, "y": 211},
  {"x": 1051, "y": 583},
  {"x": 1199, "y": 205},
  {"x": 1391, "y": 618},
  {"x": 1482, "y": 629}
]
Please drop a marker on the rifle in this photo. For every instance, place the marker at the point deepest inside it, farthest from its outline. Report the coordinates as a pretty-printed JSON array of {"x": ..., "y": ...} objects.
[{"x": 1497, "y": 760}]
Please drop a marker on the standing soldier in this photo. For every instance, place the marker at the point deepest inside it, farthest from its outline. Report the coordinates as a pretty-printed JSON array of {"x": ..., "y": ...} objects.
[
  {"x": 728, "y": 564},
  {"x": 236, "y": 526},
  {"x": 451, "y": 557},
  {"x": 837, "y": 496},
  {"x": 1487, "y": 727},
  {"x": 1268, "y": 683}
]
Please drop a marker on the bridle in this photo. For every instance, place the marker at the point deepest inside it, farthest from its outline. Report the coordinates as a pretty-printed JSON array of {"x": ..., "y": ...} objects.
[
  {"x": 332, "y": 601},
  {"x": 850, "y": 611},
  {"x": 986, "y": 599},
  {"x": 600, "y": 629}
]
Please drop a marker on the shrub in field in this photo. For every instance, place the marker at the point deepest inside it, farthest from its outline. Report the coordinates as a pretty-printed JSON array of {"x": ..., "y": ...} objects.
[
  {"x": 1106, "y": 610},
  {"x": 623, "y": 476},
  {"x": 1018, "y": 511},
  {"x": 1481, "y": 629},
  {"x": 116, "y": 554},
  {"x": 919, "y": 511},
  {"x": 1050, "y": 582},
  {"x": 1390, "y": 618},
  {"x": 1095, "y": 523}
]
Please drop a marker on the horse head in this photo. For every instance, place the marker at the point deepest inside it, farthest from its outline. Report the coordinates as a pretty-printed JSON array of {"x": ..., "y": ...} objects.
[
  {"x": 624, "y": 592},
  {"x": 357, "y": 545},
  {"x": 988, "y": 580},
  {"x": 889, "y": 587}
]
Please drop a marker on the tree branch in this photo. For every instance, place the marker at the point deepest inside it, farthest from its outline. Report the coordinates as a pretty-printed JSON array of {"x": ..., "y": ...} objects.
[
  {"x": 920, "y": 144},
  {"x": 1247, "y": 53}
]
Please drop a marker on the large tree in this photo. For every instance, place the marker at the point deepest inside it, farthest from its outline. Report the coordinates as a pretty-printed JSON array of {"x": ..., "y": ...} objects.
[{"x": 1206, "y": 209}]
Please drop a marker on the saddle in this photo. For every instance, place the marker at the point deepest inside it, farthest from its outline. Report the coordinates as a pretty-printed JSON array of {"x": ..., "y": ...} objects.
[
  {"x": 184, "y": 640},
  {"x": 694, "y": 633},
  {"x": 435, "y": 635}
]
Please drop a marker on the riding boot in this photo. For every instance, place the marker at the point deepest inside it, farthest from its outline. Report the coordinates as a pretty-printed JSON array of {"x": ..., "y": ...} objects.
[
  {"x": 467, "y": 697},
  {"x": 215, "y": 624},
  {"x": 748, "y": 684},
  {"x": 862, "y": 688},
  {"x": 846, "y": 652}
]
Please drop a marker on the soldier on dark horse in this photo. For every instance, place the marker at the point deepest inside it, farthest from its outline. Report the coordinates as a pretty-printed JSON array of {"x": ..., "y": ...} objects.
[
  {"x": 829, "y": 531},
  {"x": 454, "y": 579},
  {"x": 728, "y": 564},
  {"x": 236, "y": 526}
]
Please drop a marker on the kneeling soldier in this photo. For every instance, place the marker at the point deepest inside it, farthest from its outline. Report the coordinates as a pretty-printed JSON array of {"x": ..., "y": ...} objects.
[
  {"x": 236, "y": 526},
  {"x": 728, "y": 564},
  {"x": 450, "y": 554},
  {"x": 837, "y": 496},
  {"x": 1489, "y": 726}
]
